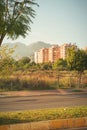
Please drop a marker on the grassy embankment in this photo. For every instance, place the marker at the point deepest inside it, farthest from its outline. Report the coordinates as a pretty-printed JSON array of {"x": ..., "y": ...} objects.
[{"x": 42, "y": 115}]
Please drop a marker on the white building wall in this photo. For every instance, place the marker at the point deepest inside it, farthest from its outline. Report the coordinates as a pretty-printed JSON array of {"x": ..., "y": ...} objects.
[{"x": 36, "y": 57}]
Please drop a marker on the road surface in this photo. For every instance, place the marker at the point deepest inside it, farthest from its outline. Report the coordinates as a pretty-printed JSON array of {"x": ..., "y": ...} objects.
[{"x": 41, "y": 102}]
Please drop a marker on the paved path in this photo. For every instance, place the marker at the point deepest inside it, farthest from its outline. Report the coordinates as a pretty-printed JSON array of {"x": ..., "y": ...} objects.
[
  {"x": 32, "y": 93},
  {"x": 41, "y": 102},
  {"x": 40, "y": 92}
]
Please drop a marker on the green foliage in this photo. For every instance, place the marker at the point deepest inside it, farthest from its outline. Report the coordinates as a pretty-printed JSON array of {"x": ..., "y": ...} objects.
[
  {"x": 7, "y": 66},
  {"x": 42, "y": 115},
  {"x": 7, "y": 63},
  {"x": 81, "y": 60},
  {"x": 71, "y": 53},
  {"x": 59, "y": 64},
  {"x": 76, "y": 59},
  {"x": 15, "y": 18},
  {"x": 6, "y": 52},
  {"x": 24, "y": 61},
  {"x": 46, "y": 66}
]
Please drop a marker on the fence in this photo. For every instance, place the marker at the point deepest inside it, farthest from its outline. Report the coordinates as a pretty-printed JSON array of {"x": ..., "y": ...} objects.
[
  {"x": 43, "y": 80},
  {"x": 71, "y": 81}
]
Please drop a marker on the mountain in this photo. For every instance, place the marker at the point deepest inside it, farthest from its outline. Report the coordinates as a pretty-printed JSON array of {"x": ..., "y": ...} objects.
[
  {"x": 22, "y": 50},
  {"x": 19, "y": 49},
  {"x": 36, "y": 46}
]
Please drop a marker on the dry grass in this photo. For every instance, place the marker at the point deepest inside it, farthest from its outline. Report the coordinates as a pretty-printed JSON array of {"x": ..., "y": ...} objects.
[{"x": 39, "y": 80}]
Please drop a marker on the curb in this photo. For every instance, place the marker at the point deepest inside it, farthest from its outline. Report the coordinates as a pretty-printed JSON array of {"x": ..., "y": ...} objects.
[{"x": 49, "y": 125}]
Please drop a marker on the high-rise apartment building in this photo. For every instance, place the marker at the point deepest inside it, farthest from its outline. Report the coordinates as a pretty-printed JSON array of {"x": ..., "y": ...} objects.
[
  {"x": 46, "y": 55},
  {"x": 64, "y": 48},
  {"x": 41, "y": 56},
  {"x": 52, "y": 54},
  {"x": 36, "y": 57}
]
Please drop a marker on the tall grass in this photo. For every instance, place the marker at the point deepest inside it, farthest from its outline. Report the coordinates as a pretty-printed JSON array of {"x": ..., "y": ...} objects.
[{"x": 39, "y": 80}]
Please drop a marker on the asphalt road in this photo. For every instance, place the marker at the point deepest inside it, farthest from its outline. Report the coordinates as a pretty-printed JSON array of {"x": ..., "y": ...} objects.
[{"x": 40, "y": 102}]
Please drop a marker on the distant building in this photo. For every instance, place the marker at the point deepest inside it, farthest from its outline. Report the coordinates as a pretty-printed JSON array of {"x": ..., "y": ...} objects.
[
  {"x": 41, "y": 56},
  {"x": 52, "y": 54},
  {"x": 64, "y": 48},
  {"x": 36, "y": 57},
  {"x": 45, "y": 55}
]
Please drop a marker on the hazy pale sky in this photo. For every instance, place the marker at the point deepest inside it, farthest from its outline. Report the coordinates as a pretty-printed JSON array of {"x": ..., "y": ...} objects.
[{"x": 58, "y": 22}]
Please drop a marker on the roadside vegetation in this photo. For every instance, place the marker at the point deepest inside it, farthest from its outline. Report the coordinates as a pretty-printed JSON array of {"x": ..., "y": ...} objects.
[
  {"x": 42, "y": 115},
  {"x": 16, "y": 18},
  {"x": 23, "y": 74},
  {"x": 41, "y": 80}
]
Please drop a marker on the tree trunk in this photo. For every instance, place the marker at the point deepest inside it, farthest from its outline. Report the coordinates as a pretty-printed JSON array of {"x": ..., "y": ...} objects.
[{"x": 1, "y": 38}]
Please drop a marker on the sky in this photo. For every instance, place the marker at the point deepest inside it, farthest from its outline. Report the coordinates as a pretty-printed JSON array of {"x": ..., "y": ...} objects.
[{"x": 58, "y": 22}]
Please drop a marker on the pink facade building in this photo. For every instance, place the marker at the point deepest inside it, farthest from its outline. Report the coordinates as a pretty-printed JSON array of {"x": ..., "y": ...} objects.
[
  {"x": 52, "y": 54},
  {"x": 63, "y": 50},
  {"x": 41, "y": 56}
]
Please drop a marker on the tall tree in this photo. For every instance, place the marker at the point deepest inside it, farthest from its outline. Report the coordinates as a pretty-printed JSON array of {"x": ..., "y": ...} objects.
[
  {"x": 77, "y": 60},
  {"x": 7, "y": 63},
  {"x": 71, "y": 57},
  {"x": 15, "y": 18}
]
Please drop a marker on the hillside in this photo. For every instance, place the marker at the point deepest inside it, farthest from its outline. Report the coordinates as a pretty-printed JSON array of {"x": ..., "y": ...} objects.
[
  {"x": 36, "y": 46},
  {"x": 22, "y": 50}
]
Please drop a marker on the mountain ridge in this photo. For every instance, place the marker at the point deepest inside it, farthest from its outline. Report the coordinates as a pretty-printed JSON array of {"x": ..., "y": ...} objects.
[{"x": 23, "y": 50}]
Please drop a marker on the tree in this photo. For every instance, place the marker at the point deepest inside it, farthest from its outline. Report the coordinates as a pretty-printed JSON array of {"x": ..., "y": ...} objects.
[
  {"x": 5, "y": 52},
  {"x": 77, "y": 60},
  {"x": 59, "y": 64},
  {"x": 71, "y": 57},
  {"x": 7, "y": 63},
  {"x": 15, "y": 18},
  {"x": 24, "y": 62},
  {"x": 46, "y": 66}
]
